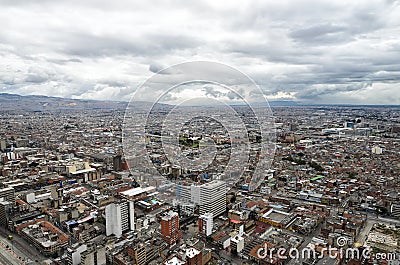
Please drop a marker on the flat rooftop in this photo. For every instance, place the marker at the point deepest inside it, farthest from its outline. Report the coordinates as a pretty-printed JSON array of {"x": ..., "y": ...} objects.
[
  {"x": 276, "y": 216},
  {"x": 46, "y": 234},
  {"x": 136, "y": 191},
  {"x": 174, "y": 261},
  {"x": 169, "y": 215}
]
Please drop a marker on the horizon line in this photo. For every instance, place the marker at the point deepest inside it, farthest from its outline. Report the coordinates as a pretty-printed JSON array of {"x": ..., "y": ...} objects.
[{"x": 294, "y": 102}]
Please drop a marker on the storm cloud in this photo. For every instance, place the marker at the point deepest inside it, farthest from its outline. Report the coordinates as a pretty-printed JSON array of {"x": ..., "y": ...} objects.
[{"x": 310, "y": 51}]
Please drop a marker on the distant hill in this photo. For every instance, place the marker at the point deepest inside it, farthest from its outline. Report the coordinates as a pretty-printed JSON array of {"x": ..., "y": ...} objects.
[{"x": 13, "y": 102}]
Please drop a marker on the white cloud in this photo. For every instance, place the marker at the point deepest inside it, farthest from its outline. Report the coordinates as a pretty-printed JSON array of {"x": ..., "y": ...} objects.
[{"x": 309, "y": 50}]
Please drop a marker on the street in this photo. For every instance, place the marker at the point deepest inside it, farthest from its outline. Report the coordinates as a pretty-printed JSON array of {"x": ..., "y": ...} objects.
[
  {"x": 21, "y": 247},
  {"x": 8, "y": 256},
  {"x": 365, "y": 231}
]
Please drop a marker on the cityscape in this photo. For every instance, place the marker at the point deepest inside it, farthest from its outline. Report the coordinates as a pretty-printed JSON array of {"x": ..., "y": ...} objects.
[
  {"x": 68, "y": 196},
  {"x": 199, "y": 132}
]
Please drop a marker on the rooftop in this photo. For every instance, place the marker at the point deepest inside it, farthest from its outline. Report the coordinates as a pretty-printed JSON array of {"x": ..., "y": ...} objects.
[
  {"x": 174, "y": 261},
  {"x": 169, "y": 215},
  {"x": 192, "y": 252}
]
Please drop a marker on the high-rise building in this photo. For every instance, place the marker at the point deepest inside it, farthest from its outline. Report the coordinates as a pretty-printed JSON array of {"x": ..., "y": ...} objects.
[
  {"x": 120, "y": 218},
  {"x": 138, "y": 253},
  {"x": 3, "y": 145},
  {"x": 7, "y": 194},
  {"x": 170, "y": 231},
  {"x": 210, "y": 197},
  {"x": 74, "y": 254},
  {"x": 5, "y": 207},
  {"x": 57, "y": 195},
  {"x": 95, "y": 255},
  {"x": 206, "y": 224},
  {"x": 117, "y": 163}
]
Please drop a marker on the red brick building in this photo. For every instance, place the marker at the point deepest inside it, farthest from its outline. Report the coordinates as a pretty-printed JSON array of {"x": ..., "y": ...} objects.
[{"x": 170, "y": 231}]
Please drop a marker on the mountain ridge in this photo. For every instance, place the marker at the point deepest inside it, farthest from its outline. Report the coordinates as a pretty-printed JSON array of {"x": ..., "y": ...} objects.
[{"x": 39, "y": 103}]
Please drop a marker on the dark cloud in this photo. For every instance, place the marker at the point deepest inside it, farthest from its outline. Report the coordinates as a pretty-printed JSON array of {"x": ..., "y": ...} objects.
[
  {"x": 211, "y": 91},
  {"x": 156, "y": 68},
  {"x": 305, "y": 50},
  {"x": 322, "y": 34},
  {"x": 90, "y": 45},
  {"x": 65, "y": 61},
  {"x": 311, "y": 92}
]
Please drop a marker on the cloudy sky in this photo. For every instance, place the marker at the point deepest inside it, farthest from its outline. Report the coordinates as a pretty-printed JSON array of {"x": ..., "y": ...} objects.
[{"x": 310, "y": 51}]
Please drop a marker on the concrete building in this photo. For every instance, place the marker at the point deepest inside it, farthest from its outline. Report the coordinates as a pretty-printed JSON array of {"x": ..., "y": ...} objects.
[
  {"x": 7, "y": 194},
  {"x": 3, "y": 145},
  {"x": 5, "y": 207},
  {"x": 84, "y": 172},
  {"x": 57, "y": 195},
  {"x": 278, "y": 218},
  {"x": 206, "y": 223},
  {"x": 210, "y": 197},
  {"x": 377, "y": 150},
  {"x": 21, "y": 142},
  {"x": 47, "y": 238},
  {"x": 395, "y": 210},
  {"x": 74, "y": 254},
  {"x": 94, "y": 255},
  {"x": 138, "y": 254},
  {"x": 120, "y": 217},
  {"x": 237, "y": 244}
]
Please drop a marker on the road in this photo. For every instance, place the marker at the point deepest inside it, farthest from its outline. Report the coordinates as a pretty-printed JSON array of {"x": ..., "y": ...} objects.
[
  {"x": 371, "y": 220},
  {"x": 6, "y": 247},
  {"x": 21, "y": 247},
  {"x": 384, "y": 220},
  {"x": 7, "y": 256},
  {"x": 365, "y": 231}
]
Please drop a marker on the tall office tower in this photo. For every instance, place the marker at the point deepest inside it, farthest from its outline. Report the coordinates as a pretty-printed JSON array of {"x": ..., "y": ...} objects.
[
  {"x": 7, "y": 194},
  {"x": 206, "y": 224},
  {"x": 120, "y": 218},
  {"x": 170, "y": 232},
  {"x": 5, "y": 207},
  {"x": 210, "y": 197},
  {"x": 57, "y": 195},
  {"x": 117, "y": 163},
  {"x": 3, "y": 145},
  {"x": 74, "y": 254}
]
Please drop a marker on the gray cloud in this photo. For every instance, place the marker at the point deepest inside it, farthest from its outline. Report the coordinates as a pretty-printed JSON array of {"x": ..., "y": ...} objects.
[
  {"x": 65, "y": 61},
  {"x": 304, "y": 50}
]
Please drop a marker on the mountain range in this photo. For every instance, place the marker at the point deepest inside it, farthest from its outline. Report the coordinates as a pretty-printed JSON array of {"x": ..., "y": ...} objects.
[
  {"x": 44, "y": 103},
  {"x": 14, "y": 102}
]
